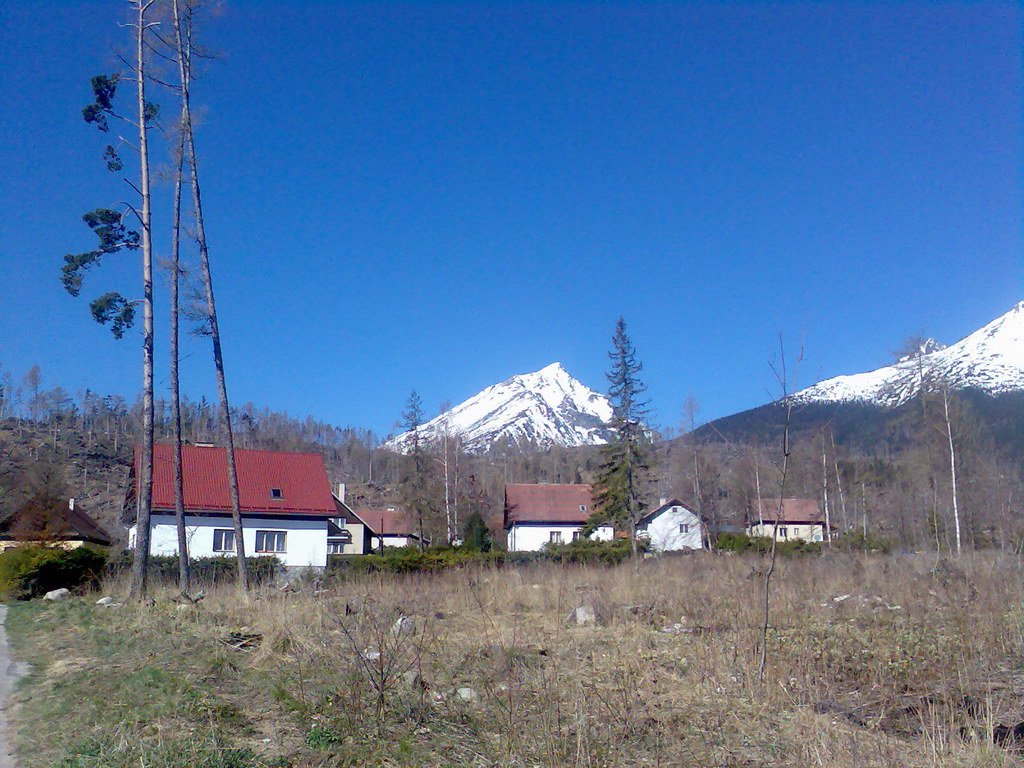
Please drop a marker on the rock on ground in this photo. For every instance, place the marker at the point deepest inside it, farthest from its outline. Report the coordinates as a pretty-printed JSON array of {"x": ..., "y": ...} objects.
[{"x": 57, "y": 594}]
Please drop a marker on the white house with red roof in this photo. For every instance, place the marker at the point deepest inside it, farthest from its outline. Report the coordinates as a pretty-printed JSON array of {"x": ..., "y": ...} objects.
[
  {"x": 285, "y": 499},
  {"x": 538, "y": 514}
]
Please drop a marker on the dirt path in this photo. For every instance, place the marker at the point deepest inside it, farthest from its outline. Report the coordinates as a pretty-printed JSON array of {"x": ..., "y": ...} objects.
[{"x": 10, "y": 671}]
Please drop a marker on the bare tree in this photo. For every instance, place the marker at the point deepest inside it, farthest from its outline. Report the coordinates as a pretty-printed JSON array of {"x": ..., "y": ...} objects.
[
  {"x": 179, "y": 491},
  {"x": 183, "y": 18},
  {"x": 782, "y": 376}
]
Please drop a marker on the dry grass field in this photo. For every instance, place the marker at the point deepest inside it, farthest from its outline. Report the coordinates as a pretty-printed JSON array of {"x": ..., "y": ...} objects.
[{"x": 873, "y": 661}]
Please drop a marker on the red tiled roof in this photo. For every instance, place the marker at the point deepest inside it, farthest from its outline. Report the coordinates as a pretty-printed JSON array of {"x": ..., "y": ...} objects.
[
  {"x": 301, "y": 477},
  {"x": 793, "y": 511},
  {"x": 388, "y": 522},
  {"x": 544, "y": 503}
]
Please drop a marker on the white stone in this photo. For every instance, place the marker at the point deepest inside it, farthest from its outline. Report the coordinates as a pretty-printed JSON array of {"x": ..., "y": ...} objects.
[
  {"x": 403, "y": 626},
  {"x": 57, "y": 594},
  {"x": 582, "y": 616},
  {"x": 105, "y": 600},
  {"x": 468, "y": 694}
]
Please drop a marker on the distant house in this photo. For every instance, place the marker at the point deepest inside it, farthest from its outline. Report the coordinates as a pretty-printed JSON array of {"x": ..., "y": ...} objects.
[
  {"x": 797, "y": 519},
  {"x": 391, "y": 527},
  {"x": 670, "y": 526},
  {"x": 285, "y": 500},
  {"x": 536, "y": 515},
  {"x": 347, "y": 533},
  {"x": 68, "y": 528}
]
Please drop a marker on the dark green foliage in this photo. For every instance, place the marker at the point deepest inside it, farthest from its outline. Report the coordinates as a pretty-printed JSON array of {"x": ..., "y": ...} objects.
[
  {"x": 741, "y": 542},
  {"x": 475, "y": 533},
  {"x": 103, "y": 89},
  {"x": 151, "y": 112},
  {"x": 115, "y": 309},
  {"x": 412, "y": 560},
  {"x": 32, "y": 571},
  {"x": 203, "y": 570},
  {"x": 589, "y": 552},
  {"x": 113, "y": 235},
  {"x": 626, "y": 459},
  {"x": 114, "y": 163}
]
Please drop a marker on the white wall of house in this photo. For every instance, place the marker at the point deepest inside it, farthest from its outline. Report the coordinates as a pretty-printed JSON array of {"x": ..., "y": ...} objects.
[
  {"x": 673, "y": 529},
  {"x": 789, "y": 531},
  {"x": 531, "y": 538},
  {"x": 305, "y": 539},
  {"x": 376, "y": 542}
]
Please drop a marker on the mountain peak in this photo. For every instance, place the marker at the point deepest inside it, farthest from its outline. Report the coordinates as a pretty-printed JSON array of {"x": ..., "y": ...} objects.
[
  {"x": 990, "y": 360},
  {"x": 544, "y": 408}
]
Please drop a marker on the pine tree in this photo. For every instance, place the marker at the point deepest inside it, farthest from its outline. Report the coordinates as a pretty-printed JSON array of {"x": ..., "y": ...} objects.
[
  {"x": 109, "y": 228},
  {"x": 416, "y": 492},
  {"x": 624, "y": 473}
]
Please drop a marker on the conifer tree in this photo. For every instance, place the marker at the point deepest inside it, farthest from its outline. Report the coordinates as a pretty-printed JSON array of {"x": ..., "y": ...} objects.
[
  {"x": 416, "y": 491},
  {"x": 624, "y": 474}
]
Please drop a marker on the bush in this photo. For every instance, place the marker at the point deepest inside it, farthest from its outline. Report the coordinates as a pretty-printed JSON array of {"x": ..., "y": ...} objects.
[
  {"x": 590, "y": 552},
  {"x": 856, "y": 541},
  {"x": 32, "y": 571},
  {"x": 163, "y": 569},
  {"x": 741, "y": 542}
]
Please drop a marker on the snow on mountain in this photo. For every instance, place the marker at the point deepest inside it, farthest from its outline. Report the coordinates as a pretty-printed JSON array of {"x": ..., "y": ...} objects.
[
  {"x": 990, "y": 359},
  {"x": 545, "y": 408}
]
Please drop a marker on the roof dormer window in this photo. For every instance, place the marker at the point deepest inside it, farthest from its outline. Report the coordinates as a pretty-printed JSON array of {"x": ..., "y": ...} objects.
[
  {"x": 276, "y": 493},
  {"x": 583, "y": 507}
]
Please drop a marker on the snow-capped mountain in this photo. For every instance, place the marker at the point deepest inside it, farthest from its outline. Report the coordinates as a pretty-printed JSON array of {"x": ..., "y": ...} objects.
[
  {"x": 990, "y": 360},
  {"x": 545, "y": 408}
]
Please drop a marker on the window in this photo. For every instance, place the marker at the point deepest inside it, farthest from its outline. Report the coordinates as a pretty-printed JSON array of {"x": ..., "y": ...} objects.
[
  {"x": 276, "y": 493},
  {"x": 555, "y": 537},
  {"x": 783, "y": 533},
  {"x": 223, "y": 540},
  {"x": 270, "y": 541},
  {"x": 336, "y": 546},
  {"x": 576, "y": 535},
  {"x": 583, "y": 507},
  {"x": 684, "y": 527}
]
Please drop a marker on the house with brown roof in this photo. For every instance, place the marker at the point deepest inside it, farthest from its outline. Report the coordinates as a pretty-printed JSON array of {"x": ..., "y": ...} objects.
[
  {"x": 794, "y": 519},
  {"x": 391, "y": 527},
  {"x": 67, "y": 528},
  {"x": 285, "y": 501},
  {"x": 539, "y": 514}
]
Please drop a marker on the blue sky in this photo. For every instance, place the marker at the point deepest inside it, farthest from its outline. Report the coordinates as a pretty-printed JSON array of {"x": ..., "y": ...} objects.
[{"x": 440, "y": 195}]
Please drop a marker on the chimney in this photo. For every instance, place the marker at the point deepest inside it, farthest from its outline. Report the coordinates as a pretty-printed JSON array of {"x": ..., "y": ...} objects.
[
  {"x": 71, "y": 504},
  {"x": 341, "y": 492},
  {"x": 662, "y": 501}
]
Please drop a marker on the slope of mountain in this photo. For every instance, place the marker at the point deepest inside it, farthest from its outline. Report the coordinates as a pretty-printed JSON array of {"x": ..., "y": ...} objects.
[
  {"x": 990, "y": 360},
  {"x": 986, "y": 369},
  {"x": 541, "y": 409}
]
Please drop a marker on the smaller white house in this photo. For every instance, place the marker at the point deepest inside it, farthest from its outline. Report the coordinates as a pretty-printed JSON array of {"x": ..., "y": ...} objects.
[
  {"x": 285, "y": 502},
  {"x": 539, "y": 514},
  {"x": 670, "y": 527}
]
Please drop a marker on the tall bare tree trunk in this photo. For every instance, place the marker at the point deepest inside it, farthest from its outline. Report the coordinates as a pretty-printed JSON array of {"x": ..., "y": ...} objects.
[
  {"x": 145, "y": 496},
  {"x": 179, "y": 491},
  {"x": 824, "y": 492},
  {"x": 952, "y": 468},
  {"x": 184, "y": 43}
]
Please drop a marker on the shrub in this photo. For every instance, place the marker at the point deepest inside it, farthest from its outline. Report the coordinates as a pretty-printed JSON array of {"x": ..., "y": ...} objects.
[
  {"x": 741, "y": 542},
  {"x": 590, "y": 552},
  {"x": 32, "y": 571},
  {"x": 204, "y": 570},
  {"x": 856, "y": 541}
]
